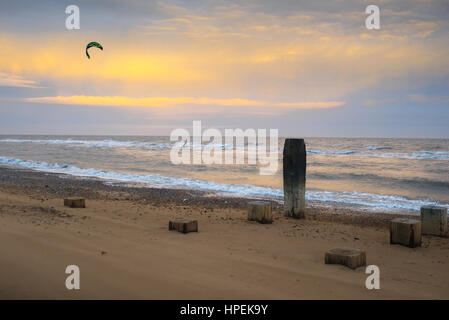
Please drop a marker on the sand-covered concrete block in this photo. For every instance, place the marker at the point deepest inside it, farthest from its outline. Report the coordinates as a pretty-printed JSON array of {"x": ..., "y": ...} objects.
[
  {"x": 406, "y": 232},
  {"x": 75, "y": 202},
  {"x": 434, "y": 220},
  {"x": 184, "y": 226},
  {"x": 352, "y": 258},
  {"x": 260, "y": 211}
]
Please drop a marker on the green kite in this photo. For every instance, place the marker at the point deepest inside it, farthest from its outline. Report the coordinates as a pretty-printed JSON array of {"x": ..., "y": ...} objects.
[{"x": 93, "y": 44}]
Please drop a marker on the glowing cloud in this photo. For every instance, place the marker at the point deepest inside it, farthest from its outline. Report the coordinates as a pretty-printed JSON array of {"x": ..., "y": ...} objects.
[
  {"x": 158, "y": 102},
  {"x": 9, "y": 80}
]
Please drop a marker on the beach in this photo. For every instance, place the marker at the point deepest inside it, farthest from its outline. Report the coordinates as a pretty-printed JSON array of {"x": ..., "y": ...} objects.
[
  {"x": 218, "y": 157},
  {"x": 124, "y": 250}
]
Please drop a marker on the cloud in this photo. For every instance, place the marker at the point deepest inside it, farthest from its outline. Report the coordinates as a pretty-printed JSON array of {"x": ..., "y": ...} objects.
[
  {"x": 10, "y": 80},
  {"x": 377, "y": 102},
  {"x": 425, "y": 99},
  {"x": 285, "y": 52},
  {"x": 311, "y": 105},
  {"x": 284, "y": 68},
  {"x": 281, "y": 56},
  {"x": 161, "y": 102},
  {"x": 405, "y": 19}
]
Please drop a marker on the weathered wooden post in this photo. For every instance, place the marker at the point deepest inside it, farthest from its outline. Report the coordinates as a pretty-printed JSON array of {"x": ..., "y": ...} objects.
[
  {"x": 352, "y": 258},
  {"x": 294, "y": 177},
  {"x": 260, "y": 211},
  {"x": 434, "y": 220},
  {"x": 183, "y": 226},
  {"x": 75, "y": 202},
  {"x": 406, "y": 232}
]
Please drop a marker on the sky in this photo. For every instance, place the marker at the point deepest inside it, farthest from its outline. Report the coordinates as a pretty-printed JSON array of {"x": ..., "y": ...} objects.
[{"x": 306, "y": 68}]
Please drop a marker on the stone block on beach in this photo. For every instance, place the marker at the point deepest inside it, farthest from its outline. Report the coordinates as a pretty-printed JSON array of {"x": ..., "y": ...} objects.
[
  {"x": 434, "y": 220},
  {"x": 352, "y": 258},
  {"x": 75, "y": 202},
  {"x": 406, "y": 232},
  {"x": 260, "y": 211},
  {"x": 184, "y": 226}
]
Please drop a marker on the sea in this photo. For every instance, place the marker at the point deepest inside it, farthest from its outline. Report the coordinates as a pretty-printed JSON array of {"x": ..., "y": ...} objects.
[{"x": 387, "y": 175}]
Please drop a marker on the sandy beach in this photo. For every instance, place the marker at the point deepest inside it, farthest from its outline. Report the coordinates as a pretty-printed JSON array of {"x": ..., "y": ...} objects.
[{"x": 124, "y": 250}]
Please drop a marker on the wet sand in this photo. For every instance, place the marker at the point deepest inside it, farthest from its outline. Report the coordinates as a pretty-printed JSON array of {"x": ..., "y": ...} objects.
[{"x": 124, "y": 250}]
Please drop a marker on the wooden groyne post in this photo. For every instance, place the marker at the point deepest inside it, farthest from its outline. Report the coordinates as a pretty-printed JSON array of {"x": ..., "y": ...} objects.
[
  {"x": 406, "y": 232},
  {"x": 352, "y": 258},
  {"x": 294, "y": 177},
  {"x": 434, "y": 220},
  {"x": 75, "y": 202},
  {"x": 183, "y": 226},
  {"x": 260, "y": 211}
]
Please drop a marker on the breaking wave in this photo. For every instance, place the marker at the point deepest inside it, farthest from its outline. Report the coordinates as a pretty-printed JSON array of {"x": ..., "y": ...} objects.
[{"x": 374, "y": 201}]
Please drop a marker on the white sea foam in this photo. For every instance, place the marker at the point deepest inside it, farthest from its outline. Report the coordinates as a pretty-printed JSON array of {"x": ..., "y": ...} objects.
[
  {"x": 378, "y": 148},
  {"x": 434, "y": 155},
  {"x": 373, "y": 201},
  {"x": 325, "y": 152},
  {"x": 94, "y": 143}
]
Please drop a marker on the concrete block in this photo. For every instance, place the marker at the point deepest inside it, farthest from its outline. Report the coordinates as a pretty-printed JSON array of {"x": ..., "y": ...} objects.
[
  {"x": 184, "y": 226},
  {"x": 260, "y": 211},
  {"x": 434, "y": 220},
  {"x": 406, "y": 232},
  {"x": 75, "y": 202},
  {"x": 352, "y": 258}
]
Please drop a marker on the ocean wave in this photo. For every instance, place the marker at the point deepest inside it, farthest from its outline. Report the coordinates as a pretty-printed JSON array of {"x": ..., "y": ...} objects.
[
  {"x": 325, "y": 152},
  {"x": 419, "y": 155},
  {"x": 152, "y": 180},
  {"x": 124, "y": 144},
  {"x": 151, "y": 146},
  {"x": 378, "y": 148},
  {"x": 429, "y": 155},
  {"x": 94, "y": 143},
  {"x": 379, "y": 179},
  {"x": 374, "y": 201}
]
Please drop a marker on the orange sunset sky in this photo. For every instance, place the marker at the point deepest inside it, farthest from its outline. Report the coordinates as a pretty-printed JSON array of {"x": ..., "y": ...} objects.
[{"x": 307, "y": 68}]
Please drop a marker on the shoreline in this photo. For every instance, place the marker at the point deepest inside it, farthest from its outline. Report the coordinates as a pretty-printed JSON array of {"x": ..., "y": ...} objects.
[
  {"x": 356, "y": 197},
  {"x": 63, "y": 185},
  {"x": 224, "y": 198},
  {"x": 124, "y": 250}
]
